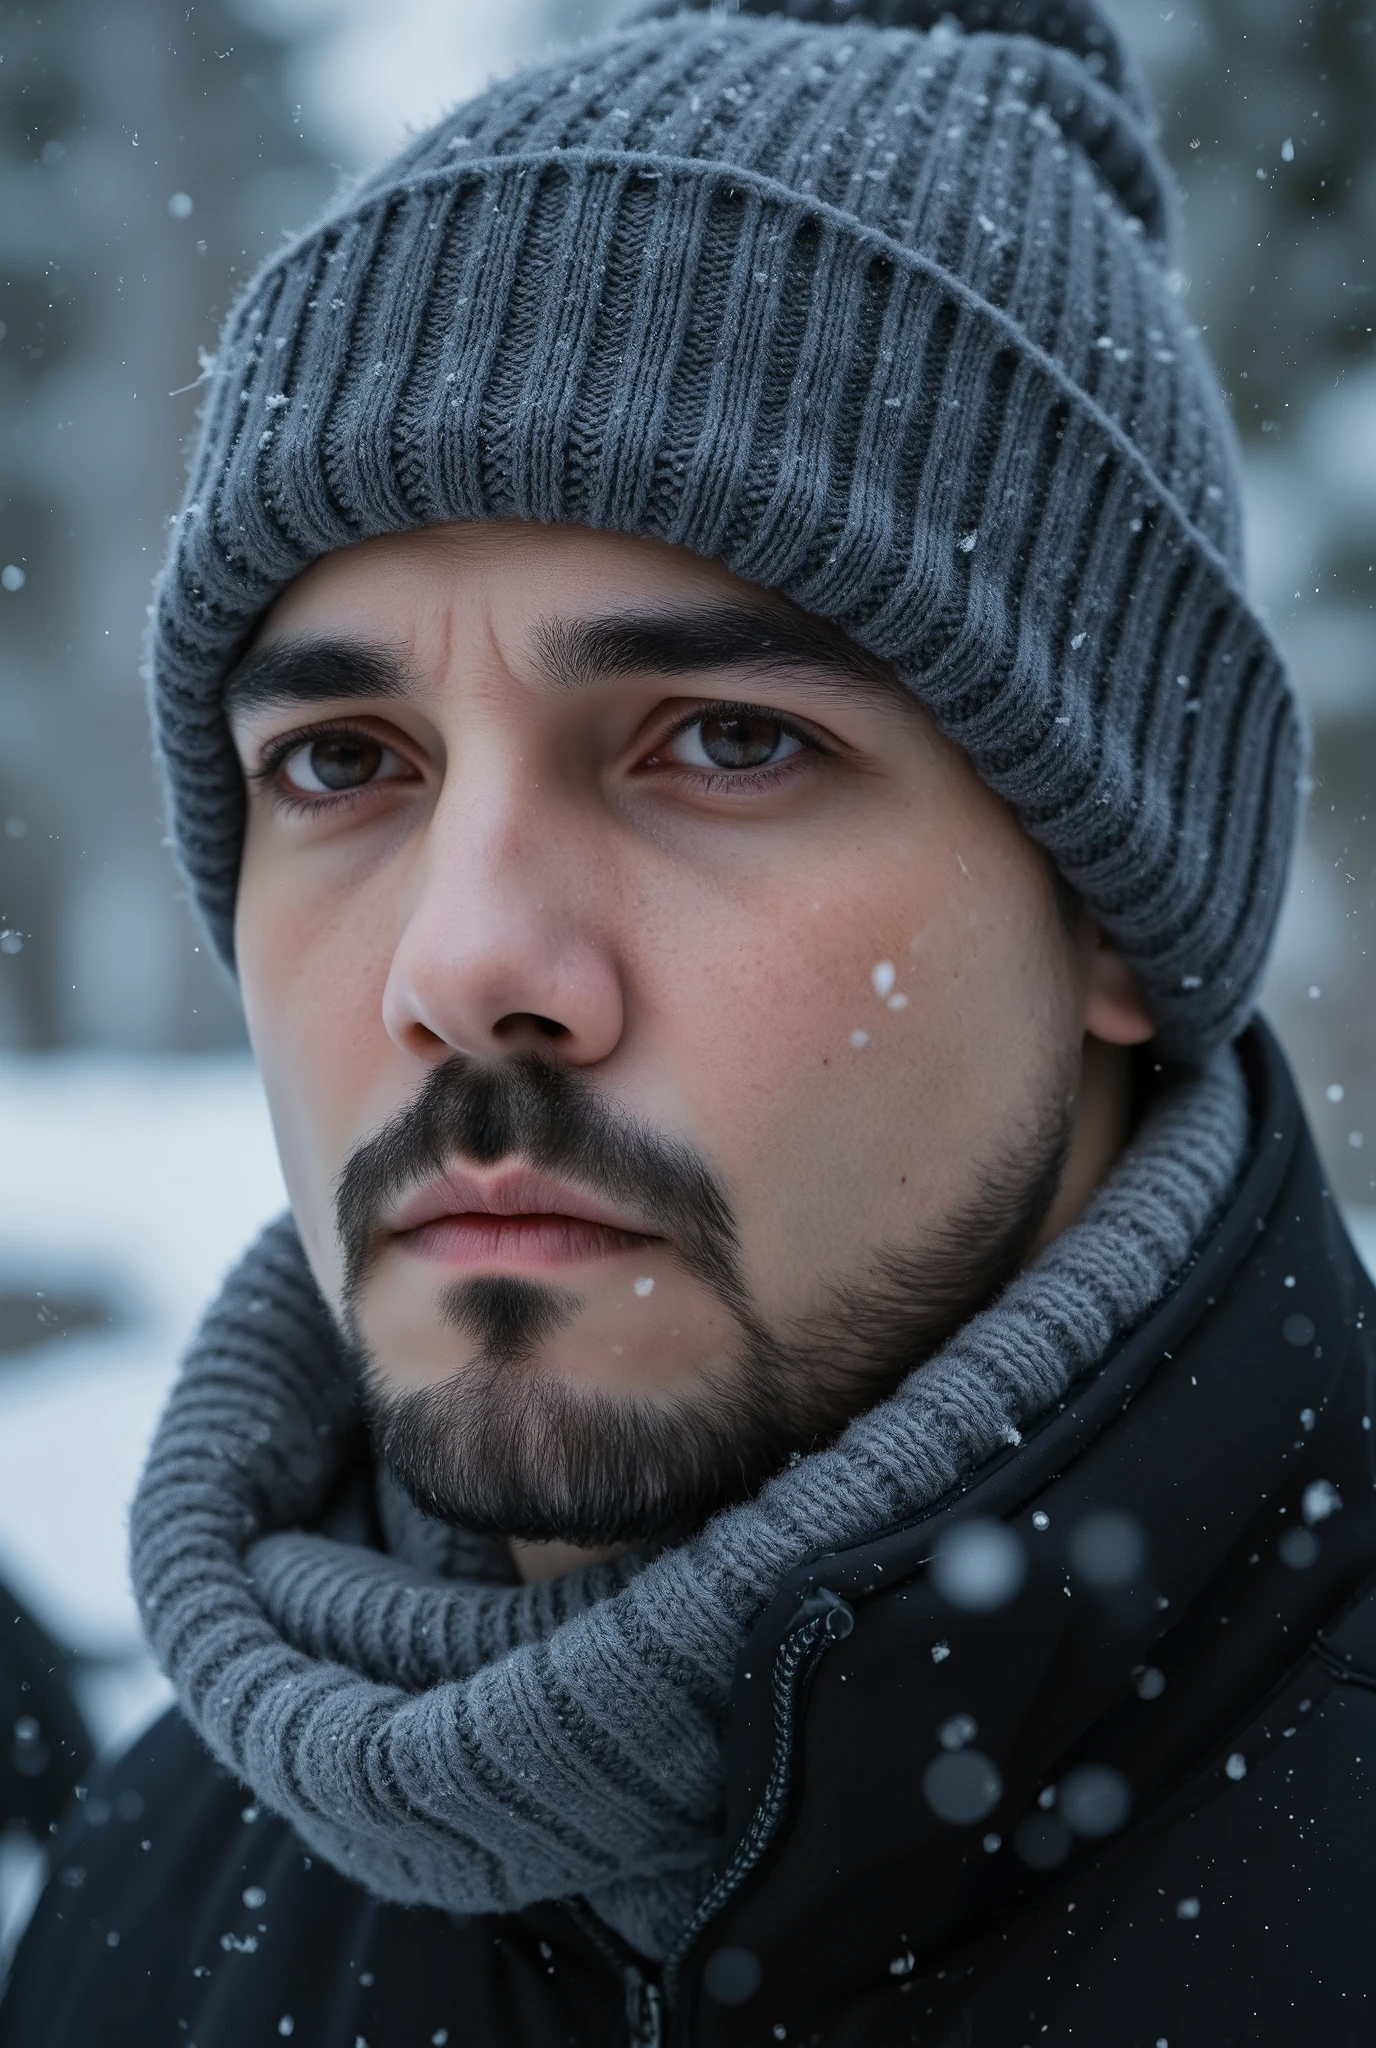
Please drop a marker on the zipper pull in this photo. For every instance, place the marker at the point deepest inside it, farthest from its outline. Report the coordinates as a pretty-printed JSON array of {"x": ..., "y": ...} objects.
[
  {"x": 644, "y": 2011},
  {"x": 836, "y": 1615}
]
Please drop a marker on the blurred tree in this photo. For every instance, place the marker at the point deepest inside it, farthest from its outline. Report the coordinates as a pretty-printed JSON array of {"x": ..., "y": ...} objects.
[
  {"x": 148, "y": 156},
  {"x": 1269, "y": 119}
]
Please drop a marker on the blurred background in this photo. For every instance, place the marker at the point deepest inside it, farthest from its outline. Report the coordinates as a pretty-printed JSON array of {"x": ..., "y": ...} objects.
[{"x": 151, "y": 153}]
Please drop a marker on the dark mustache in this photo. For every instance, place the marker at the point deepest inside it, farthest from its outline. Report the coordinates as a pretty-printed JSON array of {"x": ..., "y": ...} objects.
[{"x": 548, "y": 1116}]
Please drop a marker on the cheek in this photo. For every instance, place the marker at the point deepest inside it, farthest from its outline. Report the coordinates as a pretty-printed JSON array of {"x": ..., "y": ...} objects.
[
  {"x": 853, "y": 1051},
  {"x": 312, "y": 985}
]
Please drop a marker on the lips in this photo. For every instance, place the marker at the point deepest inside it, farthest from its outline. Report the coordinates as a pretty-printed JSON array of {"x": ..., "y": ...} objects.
[{"x": 513, "y": 1220}]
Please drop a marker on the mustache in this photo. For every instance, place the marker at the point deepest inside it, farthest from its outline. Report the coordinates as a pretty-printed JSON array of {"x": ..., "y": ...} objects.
[{"x": 548, "y": 1116}]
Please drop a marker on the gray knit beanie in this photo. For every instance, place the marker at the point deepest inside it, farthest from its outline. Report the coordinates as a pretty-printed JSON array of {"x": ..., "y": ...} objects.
[{"x": 871, "y": 305}]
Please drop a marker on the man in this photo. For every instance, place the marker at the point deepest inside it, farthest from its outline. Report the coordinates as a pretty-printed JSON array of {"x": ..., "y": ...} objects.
[{"x": 800, "y": 1470}]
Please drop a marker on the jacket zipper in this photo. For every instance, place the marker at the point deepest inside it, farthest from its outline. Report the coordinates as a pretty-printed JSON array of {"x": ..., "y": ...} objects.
[
  {"x": 644, "y": 2003},
  {"x": 823, "y": 1618},
  {"x": 644, "y": 2010}
]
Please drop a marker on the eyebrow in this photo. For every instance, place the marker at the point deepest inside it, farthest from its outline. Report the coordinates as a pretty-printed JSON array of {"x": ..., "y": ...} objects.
[
  {"x": 578, "y": 653},
  {"x": 288, "y": 672}
]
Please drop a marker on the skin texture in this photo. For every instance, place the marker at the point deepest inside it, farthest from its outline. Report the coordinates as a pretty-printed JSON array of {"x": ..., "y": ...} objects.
[{"x": 541, "y": 865}]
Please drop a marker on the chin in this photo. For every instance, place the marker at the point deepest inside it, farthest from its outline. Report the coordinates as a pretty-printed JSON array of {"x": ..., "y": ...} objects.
[{"x": 602, "y": 1339}]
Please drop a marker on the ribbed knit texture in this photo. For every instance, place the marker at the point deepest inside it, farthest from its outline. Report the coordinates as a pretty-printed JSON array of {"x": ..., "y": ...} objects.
[
  {"x": 878, "y": 317},
  {"x": 479, "y": 1746}
]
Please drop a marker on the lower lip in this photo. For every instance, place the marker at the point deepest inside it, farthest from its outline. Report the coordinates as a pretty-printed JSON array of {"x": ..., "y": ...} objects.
[{"x": 511, "y": 1243}]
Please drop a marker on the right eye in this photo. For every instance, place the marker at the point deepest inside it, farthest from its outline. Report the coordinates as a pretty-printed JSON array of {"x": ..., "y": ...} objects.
[{"x": 335, "y": 762}]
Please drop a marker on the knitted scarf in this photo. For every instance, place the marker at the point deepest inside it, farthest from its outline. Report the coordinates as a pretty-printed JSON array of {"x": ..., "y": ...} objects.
[{"x": 451, "y": 1740}]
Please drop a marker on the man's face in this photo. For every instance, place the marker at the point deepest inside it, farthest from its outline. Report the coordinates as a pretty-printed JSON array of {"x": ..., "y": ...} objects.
[{"x": 668, "y": 1037}]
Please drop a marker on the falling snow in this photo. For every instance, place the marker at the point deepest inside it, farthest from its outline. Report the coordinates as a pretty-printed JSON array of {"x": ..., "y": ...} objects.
[
  {"x": 1321, "y": 1499},
  {"x": 978, "y": 1565}
]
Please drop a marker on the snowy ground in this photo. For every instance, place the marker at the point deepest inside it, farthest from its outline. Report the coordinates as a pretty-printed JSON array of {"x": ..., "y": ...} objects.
[
  {"x": 133, "y": 1184},
  {"x": 136, "y": 1183}
]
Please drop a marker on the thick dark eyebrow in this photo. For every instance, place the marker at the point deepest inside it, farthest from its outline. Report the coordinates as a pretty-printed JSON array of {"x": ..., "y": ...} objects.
[
  {"x": 580, "y": 652},
  {"x": 287, "y": 672},
  {"x": 576, "y": 653}
]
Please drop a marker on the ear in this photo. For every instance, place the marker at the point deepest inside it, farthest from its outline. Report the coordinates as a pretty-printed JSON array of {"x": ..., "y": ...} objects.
[{"x": 1115, "y": 1008}]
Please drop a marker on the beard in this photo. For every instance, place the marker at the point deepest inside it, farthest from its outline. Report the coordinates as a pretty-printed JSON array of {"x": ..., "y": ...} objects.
[{"x": 505, "y": 1448}]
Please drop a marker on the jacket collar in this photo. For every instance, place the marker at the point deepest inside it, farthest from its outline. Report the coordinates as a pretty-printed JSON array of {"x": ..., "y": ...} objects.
[{"x": 1206, "y": 1425}]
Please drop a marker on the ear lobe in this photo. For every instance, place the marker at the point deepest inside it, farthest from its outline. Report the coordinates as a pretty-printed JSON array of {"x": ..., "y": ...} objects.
[{"x": 1115, "y": 1008}]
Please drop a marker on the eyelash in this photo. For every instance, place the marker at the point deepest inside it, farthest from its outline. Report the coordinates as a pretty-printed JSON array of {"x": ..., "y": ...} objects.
[
  {"x": 741, "y": 778},
  {"x": 278, "y": 752}
]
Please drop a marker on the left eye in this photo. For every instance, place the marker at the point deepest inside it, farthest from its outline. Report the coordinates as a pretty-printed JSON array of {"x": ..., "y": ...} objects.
[{"x": 733, "y": 739}]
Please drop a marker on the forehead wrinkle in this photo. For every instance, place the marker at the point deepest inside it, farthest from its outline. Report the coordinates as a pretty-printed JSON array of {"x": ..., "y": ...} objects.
[
  {"x": 702, "y": 639},
  {"x": 299, "y": 671}
]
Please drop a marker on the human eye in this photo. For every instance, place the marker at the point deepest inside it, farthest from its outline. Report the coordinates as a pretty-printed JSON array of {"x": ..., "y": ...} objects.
[
  {"x": 729, "y": 741},
  {"x": 336, "y": 761}
]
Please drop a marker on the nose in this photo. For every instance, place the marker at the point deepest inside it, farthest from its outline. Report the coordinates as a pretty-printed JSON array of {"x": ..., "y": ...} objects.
[{"x": 505, "y": 946}]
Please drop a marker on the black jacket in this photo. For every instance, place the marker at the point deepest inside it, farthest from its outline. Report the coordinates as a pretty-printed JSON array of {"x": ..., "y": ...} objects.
[
  {"x": 1231, "y": 1683},
  {"x": 44, "y": 1748}
]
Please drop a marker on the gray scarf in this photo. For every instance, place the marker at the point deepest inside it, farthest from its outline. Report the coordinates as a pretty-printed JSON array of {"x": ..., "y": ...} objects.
[{"x": 450, "y": 1741}]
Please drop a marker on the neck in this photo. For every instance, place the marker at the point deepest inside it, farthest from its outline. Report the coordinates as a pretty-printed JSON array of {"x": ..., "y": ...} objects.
[
  {"x": 1101, "y": 1127},
  {"x": 539, "y": 1561}
]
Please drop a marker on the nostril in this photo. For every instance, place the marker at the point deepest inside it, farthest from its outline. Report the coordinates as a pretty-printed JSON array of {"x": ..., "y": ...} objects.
[{"x": 518, "y": 1023}]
